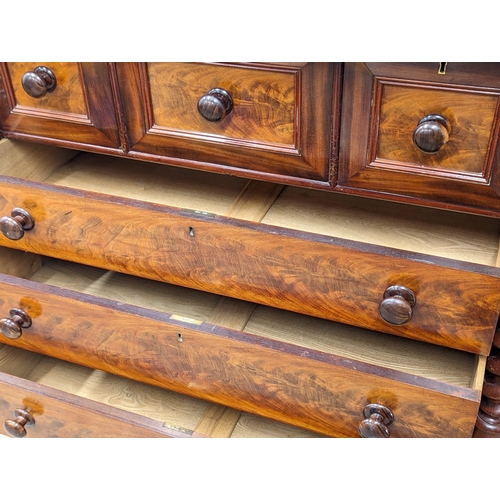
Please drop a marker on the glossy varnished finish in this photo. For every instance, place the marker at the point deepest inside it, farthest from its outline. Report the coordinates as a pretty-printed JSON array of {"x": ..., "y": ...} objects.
[
  {"x": 383, "y": 108},
  {"x": 59, "y": 414},
  {"x": 457, "y": 303},
  {"x": 80, "y": 109},
  {"x": 310, "y": 389},
  {"x": 280, "y": 123}
]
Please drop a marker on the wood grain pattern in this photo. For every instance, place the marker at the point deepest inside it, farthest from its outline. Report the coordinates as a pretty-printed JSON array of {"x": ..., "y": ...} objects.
[
  {"x": 264, "y": 102},
  {"x": 68, "y": 97},
  {"x": 280, "y": 124},
  {"x": 457, "y": 304},
  {"x": 377, "y": 154},
  {"x": 303, "y": 387},
  {"x": 59, "y": 414},
  {"x": 81, "y": 110},
  {"x": 471, "y": 118}
]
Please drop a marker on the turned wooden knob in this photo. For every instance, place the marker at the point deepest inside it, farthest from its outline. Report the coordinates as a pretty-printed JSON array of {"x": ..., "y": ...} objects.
[
  {"x": 16, "y": 427},
  {"x": 215, "y": 105},
  {"x": 12, "y": 327},
  {"x": 397, "y": 305},
  {"x": 377, "y": 419},
  {"x": 13, "y": 227},
  {"x": 432, "y": 133},
  {"x": 38, "y": 82}
]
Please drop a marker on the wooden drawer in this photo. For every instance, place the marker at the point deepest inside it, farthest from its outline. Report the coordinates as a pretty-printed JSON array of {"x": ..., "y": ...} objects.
[
  {"x": 278, "y": 122},
  {"x": 299, "y": 370},
  {"x": 411, "y": 132},
  {"x": 305, "y": 251},
  {"x": 71, "y": 401},
  {"x": 73, "y": 105}
]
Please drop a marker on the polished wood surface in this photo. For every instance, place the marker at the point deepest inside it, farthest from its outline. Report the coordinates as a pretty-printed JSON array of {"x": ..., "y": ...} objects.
[
  {"x": 279, "y": 125},
  {"x": 302, "y": 387},
  {"x": 382, "y": 107},
  {"x": 260, "y": 263},
  {"x": 416, "y": 133},
  {"x": 79, "y": 110}
]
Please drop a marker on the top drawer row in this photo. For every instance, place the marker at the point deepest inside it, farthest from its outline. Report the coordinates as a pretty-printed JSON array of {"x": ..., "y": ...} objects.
[{"x": 411, "y": 132}]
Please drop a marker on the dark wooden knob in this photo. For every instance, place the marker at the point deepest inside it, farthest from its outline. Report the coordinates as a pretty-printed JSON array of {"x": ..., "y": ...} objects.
[
  {"x": 12, "y": 327},
  {"x": 215, "y": 105},
  {"x": 17, "y": 427},
  {"x": 38, "y": 82},
  {"x": 13, "y": 227},
  {"x": 377, "y": 419},
  {"x": 432, "y": 133},
  {"x": 397, "y": 305}
]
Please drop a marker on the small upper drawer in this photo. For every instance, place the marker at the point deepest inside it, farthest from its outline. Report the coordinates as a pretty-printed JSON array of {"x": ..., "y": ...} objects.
[
  {"x": 410, "y": 130},
  {"x": 70, "y": 102},
  {"x": 273, "y": 119},
  {"x": 42, "y": 397},
  {"x": 410, "y": 272}
]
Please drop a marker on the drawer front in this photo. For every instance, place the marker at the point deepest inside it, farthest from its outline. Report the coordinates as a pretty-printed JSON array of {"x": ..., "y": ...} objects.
[
  {"x": 314, "y": 390},
  {"x": 423, "y": 138},
  {"x": 267, "y": 118},
  {"x": 457, "y": 304},
  {"x": 59, "y": 414},
  {"x": 70, "y": 102}
]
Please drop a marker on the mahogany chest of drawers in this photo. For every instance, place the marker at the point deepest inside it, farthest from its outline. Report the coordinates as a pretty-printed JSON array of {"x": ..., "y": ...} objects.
[{"x": 249, "y": 249}]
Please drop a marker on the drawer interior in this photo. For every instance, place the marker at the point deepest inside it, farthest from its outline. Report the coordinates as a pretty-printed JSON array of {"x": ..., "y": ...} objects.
[
  {"x": 173, "y": 410},
  {"x": 405, "y": 355},
  {"x": 458, "y": 236}
]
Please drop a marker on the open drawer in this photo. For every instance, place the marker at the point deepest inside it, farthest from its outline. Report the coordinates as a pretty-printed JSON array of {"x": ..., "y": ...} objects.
[
  {"x": 303, "y": 371},
  {"x": 45, "y": 397},
  {"x": 407, "y": 271}
]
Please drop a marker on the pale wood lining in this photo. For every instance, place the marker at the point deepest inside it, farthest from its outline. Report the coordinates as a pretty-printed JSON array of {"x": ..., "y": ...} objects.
[
  {"x": 176, "y": 187},
  {"x": 380, "y": 349},
  {"x": 31, "y": 161},
  {"x": 458, "y": 236},
  {"x": 128, "y": 289},
  {"x": 18, "y": 362},
  {"x": 18, "y": 263},
  {"x": 252, "y": 426},
  {"x": 480, "y": 369}
]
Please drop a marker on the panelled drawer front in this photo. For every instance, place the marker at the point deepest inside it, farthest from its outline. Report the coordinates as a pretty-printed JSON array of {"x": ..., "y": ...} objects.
[
  {"x": 74, "y": 104},
  {"x": 315, "y": 390},
  {"x": 278, "y": 119},
  {"x": 412, "y": 132},
  {"x": 456, "y": 303}
]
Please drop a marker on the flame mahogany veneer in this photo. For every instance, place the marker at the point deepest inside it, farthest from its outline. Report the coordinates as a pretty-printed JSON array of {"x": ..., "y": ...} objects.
[{"x": 138, "y": 278}]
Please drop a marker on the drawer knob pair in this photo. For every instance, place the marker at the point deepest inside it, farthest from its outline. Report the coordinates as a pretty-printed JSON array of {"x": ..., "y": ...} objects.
[
  {"x": 17, "y": 427},
  {"x": 377, "y": 420},
  {"x": 13, "y": 227},
  {"x": 38, "y": 82},
  {"x": 431, "y": 134},
  {"x": 215, "y": 105},
  {"x": 397, "y": 305},
  {"x": 12, "y": 327}
]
